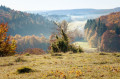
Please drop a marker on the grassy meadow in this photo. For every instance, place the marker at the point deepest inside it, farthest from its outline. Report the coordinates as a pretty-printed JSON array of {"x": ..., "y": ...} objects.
[
  {"x": 86, "y": 47},
  {"x": 64, "y": 66}
]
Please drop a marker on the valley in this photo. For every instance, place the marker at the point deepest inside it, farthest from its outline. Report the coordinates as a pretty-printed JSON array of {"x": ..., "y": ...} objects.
[{"x": 59, "y": 39}]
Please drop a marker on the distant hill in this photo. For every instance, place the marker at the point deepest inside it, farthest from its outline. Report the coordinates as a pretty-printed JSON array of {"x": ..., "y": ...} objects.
[
  {"x": 76, "y": 11},
  {"x": 74, "y": 14},
  {"x": 104, "y": 32},
  {"x": 25, "y": 23}
]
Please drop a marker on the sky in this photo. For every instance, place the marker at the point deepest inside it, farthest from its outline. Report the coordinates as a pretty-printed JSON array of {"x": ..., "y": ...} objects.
[{"x": 30, "y": 5}]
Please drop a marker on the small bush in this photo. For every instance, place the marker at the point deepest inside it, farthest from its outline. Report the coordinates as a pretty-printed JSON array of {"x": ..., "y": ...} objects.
[
  {"x": 9, "y": 64},
  {"x": 80, "y": 49},
  {"x": 117, "y": 55},
  {"x": 46, "y": 57},
  {"x": 27, "y": 54},
  {"x": 114, "y": 54},
  {"x": 19, "y": 59},
  {"x": 24, "y": 70},
  {"x": 103, "y": 54},
  {"x": 70, "y": 52},
  {"x": 56, "y": 54},
  {"x": 104, "y": 62},
  {"x": 59, "y": 57},
  {"x": 75, "y": 49}
]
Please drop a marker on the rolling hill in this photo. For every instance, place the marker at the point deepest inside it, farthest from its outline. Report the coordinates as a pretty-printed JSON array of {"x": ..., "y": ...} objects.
[
  {"x": 77, "y": 11},
  {"x": 74, "y": 14},
  {"x": 25, "y": 23}
]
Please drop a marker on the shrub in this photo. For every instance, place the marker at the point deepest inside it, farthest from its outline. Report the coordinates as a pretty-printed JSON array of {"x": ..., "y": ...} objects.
[
  {"x": 80, "y": 49},
  {"x": 8, "y": 64},
  {"x": 54, "y": 48},
  {"x": 103, "y": 54},
  {"x": 24, "y": 70},
  {"x": 19, "y": 59},
  {"x": 59, "y": 57},
  {"x": 27, "y": 54},
  {"x": 117, "y": 55},
  {"x": 114, "y": 54},
  {"x": 75, "y": 49},
  {"x": 61, "y": 44},
  {"x": 56, "y": 54},
  {"x": 103, "y": 62}
]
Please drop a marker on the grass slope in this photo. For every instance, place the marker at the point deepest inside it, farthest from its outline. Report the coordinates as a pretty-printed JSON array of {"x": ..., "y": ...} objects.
[
  {"x": 86, "y": 47},
  {"x": 67, "y": 66}
]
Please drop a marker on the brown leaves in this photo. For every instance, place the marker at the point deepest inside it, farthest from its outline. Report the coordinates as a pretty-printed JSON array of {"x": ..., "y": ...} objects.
[
  {"x": 111, "y": 19},
  {"x": 6, "y": 46},
  {"x": 110, "y": 41}
]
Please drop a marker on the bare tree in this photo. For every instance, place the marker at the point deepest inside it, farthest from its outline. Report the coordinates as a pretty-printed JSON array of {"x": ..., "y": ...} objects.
[{"x": 62, "y": 26}]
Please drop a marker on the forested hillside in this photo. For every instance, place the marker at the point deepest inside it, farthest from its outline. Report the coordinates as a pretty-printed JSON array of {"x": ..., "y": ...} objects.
[
  {"x": 25, "y": 42},
  {"x": 104, "y": 32},
  {"x": 24, "y": 23}
]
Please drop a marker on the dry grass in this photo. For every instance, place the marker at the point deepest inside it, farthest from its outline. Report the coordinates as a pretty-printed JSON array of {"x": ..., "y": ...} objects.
[{"x": 67, "y": 66}]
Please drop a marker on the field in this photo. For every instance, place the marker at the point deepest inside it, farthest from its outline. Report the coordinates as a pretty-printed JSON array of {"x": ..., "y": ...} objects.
[
  {"x": 86, "y": 47},
  {"x": 67, "y": 66}
]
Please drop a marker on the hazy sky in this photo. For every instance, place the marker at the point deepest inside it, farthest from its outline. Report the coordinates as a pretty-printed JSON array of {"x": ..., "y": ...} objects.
[{"x": 24, "y": 5}]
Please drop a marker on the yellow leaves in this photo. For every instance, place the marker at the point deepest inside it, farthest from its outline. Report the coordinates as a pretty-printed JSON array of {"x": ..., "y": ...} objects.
[
  {"x": 6, "y": 47},
  {"x": 111, "y": 68},
  {"x": 73, "y": 67},
  {"x": 64, "y": 74},
  {"x": 79, "y": 73},
  {"x": 70, "y": 72}
]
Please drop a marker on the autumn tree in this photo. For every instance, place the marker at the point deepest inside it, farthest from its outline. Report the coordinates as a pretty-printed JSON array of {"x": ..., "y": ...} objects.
[
  {"x": 110, "y": 41},
  {"x": 7, "y": 46},
  {"x": 104, "y": 32}
]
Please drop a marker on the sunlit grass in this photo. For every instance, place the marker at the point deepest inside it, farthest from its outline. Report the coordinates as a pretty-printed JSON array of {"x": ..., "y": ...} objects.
[
  {"x": 67, "y": 66},
  {"x": 85, "y": 46}
]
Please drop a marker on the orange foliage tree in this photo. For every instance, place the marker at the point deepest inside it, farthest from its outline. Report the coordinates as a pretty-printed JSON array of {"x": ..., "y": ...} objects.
[
  {"x": 110, "y": 41},
  {"x": 7, "y": 46}
]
